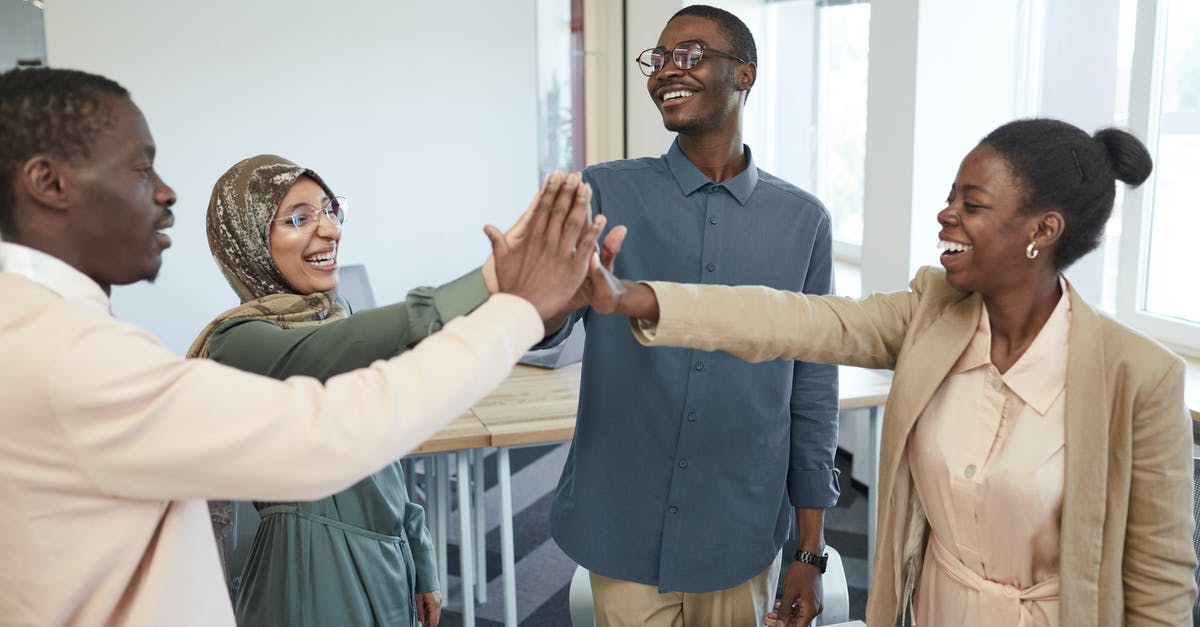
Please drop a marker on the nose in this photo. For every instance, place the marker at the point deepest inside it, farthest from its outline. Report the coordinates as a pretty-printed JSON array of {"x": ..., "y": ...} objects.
[
  {"x": 947, "y": 216},
  {"x": 163, "y": 193},
  {"x": 328, "y": 226}
]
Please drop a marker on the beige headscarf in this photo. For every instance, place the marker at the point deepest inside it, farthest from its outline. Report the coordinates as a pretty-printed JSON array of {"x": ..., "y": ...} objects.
[{"x": 243, "y": 202}]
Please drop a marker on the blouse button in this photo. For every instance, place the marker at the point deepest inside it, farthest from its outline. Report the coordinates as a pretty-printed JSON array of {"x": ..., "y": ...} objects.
[
  {"x": 970, "y": 471},
  {"x": 998, "y": 383}
]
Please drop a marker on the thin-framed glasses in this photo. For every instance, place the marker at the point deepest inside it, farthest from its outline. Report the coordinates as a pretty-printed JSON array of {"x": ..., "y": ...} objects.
[
  {"x": 685, "y": 55},
  {"x": 305, "y": 217}
]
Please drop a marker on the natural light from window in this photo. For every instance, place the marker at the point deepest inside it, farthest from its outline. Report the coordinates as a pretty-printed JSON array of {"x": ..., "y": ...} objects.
[{"x": 1175, "y": 222}]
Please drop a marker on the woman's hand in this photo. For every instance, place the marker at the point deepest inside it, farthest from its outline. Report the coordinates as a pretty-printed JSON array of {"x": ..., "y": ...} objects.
[
  {"x": 429, "y": 608},
  {"x": 551, "y": 260}
]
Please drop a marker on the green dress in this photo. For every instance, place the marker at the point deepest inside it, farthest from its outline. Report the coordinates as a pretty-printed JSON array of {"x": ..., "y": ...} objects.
[{"x": 358, "y": 557}]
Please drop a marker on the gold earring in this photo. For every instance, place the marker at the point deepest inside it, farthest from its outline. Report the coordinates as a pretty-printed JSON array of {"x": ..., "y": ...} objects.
[{"x": 1031, "y": 250}]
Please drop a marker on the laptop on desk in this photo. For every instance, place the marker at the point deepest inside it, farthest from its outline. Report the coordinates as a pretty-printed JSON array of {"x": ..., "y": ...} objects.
[{"x": 565, "y": 354}]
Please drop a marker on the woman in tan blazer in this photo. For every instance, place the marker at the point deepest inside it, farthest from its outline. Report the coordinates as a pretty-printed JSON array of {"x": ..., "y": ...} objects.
[{"x": 1075, "y": 508}]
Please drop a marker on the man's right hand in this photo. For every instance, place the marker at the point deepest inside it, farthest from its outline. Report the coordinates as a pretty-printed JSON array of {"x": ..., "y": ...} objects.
[{"x": 550, "y": 262}]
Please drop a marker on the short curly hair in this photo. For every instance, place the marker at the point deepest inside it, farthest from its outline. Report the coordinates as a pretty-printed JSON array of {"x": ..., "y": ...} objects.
[
  {"x": 734, "y": 28},
  {"x": 45, "y": 110}
]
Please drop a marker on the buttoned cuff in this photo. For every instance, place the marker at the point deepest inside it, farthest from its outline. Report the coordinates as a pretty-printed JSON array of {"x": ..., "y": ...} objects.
[
  {"x": 814, "y": 489},
  {"x": 426, "y": 566}
]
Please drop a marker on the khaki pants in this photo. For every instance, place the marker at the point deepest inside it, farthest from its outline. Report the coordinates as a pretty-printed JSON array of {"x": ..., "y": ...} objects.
[{"x": 627, "y": 604}]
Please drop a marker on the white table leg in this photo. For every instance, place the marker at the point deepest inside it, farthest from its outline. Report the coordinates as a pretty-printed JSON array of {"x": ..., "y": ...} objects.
[
  {"x": 508, "y": 565},
  {"x": 874, "y": 425},
  {"x": 466, "y": 553},
  {"x": 442, "y": 490},
  {"x": 480, "y": 518}
]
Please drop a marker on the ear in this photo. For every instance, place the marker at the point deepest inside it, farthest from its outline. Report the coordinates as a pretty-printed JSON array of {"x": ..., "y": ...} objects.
[
  {"x": 1048, "y": 229},
  {"x": 43, "y": 178},
  {"x": 746, "y": 76}
]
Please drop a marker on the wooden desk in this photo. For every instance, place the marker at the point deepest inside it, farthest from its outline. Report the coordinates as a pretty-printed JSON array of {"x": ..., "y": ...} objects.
[
  {"x": 532, "y": 406},
  {"x": 466, "y": 432}
]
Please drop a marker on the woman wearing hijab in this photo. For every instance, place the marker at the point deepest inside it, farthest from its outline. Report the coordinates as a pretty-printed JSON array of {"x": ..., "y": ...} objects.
[
  {"x": 362, "y": 556},
  {"x": 1035, "y": 462}
]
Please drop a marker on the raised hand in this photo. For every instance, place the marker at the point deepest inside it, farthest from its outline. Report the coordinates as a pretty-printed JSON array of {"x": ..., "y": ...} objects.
[
  {"x": 608, "y": 294},
  {"x": 602, "y": 265},
  {"x": 550, "y": 261},
  {"x": 512, "y": 236}
]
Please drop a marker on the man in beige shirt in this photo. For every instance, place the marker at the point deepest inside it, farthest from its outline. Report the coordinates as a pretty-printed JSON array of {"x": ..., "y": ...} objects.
[{"x": 112, "y": 443}]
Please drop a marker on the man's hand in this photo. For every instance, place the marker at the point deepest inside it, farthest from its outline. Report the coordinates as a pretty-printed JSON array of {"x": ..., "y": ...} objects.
[
  {"x": 584, "y": 295},
  {"x": 801, "y": 601},
  {"x": 429, "y": 608},
  {"x": 551, "y": 260}
]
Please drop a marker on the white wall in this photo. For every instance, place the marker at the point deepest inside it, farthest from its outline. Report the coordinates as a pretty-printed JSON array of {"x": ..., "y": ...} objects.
[
  {"x": 422, "y": 113},
  {"x": 936, "y": 87}
]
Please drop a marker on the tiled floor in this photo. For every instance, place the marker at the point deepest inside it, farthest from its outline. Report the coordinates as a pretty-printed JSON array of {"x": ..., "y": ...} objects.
[{"x": 544, "y": 573}]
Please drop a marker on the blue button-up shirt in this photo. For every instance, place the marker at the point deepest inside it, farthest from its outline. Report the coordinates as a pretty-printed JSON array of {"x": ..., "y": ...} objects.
[{"x": 684, "y": 461}]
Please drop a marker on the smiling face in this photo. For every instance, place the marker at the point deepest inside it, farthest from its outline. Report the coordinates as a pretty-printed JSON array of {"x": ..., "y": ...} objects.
[
  {"x": 984, "y": 233},
  {"x": 120, "y": 207},
  {"x": 307, "y": 257},
  {"x": 708, "y": 95}
]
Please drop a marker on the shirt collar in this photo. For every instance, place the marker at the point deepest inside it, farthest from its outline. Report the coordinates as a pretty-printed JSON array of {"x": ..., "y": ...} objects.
[
  {"x": 1041, "y": 373},
  {"x": 54, "y": 274},
  {"x": 691, "y": 179}
]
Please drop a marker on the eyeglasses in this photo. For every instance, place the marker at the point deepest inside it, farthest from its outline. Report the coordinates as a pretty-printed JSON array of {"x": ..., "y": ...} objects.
[
  {"x": 304, "y": 217},
  {"x": 685, "y": 55}
]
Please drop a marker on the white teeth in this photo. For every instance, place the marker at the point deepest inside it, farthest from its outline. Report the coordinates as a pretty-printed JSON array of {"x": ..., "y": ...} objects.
[
  {"x": 323, "y": 259},
  {"x": 953, "y": 246},
  {"x": 671, "y": 95}
]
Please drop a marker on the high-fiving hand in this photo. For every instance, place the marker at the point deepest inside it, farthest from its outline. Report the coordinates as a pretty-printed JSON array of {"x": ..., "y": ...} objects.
[{"x": 555, "y": 247}]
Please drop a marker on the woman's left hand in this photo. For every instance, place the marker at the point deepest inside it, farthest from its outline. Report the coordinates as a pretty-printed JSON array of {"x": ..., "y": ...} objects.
[{"x": 429, "y": 607}]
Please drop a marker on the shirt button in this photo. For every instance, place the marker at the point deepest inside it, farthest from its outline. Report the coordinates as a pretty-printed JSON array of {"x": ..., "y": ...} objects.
[
  {"x": 692, "y": 416},
  {"x": 970, "y": 471},
  {"x": 673, "y": 509},
  {"x": 683, "y": 463},
  {"x": 712, "y": 220},
  {"x": 699, "y": 365},
  {"x": 710, "y": 267},
  {"x": 998, "y": 383}
]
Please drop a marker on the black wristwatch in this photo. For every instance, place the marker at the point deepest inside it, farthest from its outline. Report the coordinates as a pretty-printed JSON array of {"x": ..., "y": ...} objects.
[{"x": 820, "y": 561}]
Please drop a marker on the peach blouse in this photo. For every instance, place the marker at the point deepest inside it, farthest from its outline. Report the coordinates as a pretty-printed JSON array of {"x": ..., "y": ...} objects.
[{"x": 987, "y": 462}]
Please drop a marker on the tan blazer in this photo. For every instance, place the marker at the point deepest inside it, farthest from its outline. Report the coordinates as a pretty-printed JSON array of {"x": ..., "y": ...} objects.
[{"x": 1126, "y": 556}]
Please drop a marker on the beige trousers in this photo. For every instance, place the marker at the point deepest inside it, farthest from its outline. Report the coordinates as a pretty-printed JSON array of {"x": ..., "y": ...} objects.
[{"x": 627, "y": 604}]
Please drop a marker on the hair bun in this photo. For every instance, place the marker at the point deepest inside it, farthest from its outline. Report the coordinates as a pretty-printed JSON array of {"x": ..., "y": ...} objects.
[{"x": 1131, "y": 163}]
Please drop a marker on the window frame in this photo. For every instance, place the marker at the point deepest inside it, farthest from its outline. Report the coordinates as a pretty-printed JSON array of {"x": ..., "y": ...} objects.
[{"x": 1145, "y": 98}]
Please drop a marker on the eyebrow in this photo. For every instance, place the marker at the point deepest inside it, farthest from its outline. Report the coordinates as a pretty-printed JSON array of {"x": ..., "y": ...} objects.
[
  {"x": 972, "y": 187},
  {"x": 324, "y": 199}
]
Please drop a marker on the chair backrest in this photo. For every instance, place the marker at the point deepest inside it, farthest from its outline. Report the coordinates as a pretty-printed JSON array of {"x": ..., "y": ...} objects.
[
  {"x": 355, "y": 287},
  {"x": 1196, "y": 533}
]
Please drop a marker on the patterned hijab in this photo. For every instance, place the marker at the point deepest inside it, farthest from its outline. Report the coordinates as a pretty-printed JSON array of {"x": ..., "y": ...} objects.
[{"x": 243, "y": 202}]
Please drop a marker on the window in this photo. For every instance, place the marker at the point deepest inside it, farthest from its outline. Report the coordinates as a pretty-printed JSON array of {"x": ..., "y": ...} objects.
[
  {"x": 809, "y": 124},
  {"x": 559, "y": 85},
  {"x": 1158, "y": 292},
  {"x": 843, "y": 28}
]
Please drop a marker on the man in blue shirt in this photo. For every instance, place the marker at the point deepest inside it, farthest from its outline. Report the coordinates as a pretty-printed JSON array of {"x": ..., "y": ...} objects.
[{"x": 677, "y": 488}]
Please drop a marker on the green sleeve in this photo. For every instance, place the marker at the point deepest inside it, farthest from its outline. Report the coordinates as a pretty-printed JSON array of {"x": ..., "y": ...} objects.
[
  {"x": 423, "y": 551},
  {"x": 326, "y": 350}
]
